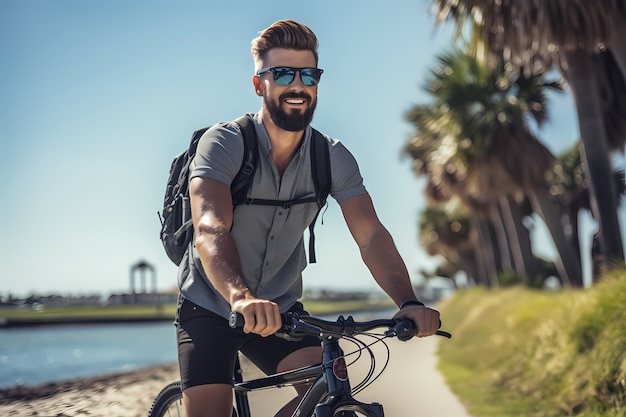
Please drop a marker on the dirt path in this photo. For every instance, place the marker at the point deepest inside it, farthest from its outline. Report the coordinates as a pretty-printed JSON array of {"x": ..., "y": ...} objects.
[{"x": 410, "y": 386}]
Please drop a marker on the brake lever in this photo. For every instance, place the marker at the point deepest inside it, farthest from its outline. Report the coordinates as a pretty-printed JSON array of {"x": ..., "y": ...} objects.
[
  {"x": 291, "y": 334},
  {"x": 405, "y": 330},
  {"x": 289, "y": 331}
]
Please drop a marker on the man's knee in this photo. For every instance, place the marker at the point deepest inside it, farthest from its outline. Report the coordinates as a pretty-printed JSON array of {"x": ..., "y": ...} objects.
[{"x": 208, "y": 400}]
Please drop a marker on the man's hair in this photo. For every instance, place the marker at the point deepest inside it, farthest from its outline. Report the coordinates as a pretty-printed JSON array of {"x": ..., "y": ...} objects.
[{"x": 286, "y": 34}]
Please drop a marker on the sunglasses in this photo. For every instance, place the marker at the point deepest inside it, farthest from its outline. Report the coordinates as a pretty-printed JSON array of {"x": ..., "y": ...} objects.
[{"x": 284, "y": 76}]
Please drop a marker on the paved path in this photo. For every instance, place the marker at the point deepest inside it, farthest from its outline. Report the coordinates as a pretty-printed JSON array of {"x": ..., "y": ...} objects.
[{"x": 411, "y": 386}]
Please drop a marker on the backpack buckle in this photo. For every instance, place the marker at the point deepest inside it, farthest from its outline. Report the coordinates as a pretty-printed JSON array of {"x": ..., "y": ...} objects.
[
  {"x": 247, "y": 168},
  {"x": 287, "y": 205}
]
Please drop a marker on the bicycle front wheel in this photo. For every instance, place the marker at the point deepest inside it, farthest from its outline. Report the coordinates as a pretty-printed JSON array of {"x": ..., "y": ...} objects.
[{"x": 169, "y": 402}]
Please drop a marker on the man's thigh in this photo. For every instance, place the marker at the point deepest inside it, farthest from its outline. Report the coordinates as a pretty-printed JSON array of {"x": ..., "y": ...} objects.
[
  {"x": 207, "y": 346},
  {"x": 272, "y": 353}
]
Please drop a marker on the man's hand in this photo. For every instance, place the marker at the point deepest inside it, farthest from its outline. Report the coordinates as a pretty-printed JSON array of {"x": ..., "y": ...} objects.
[
  {"x": 261, "y": 316},
  {"x": 426, "y": 319}
]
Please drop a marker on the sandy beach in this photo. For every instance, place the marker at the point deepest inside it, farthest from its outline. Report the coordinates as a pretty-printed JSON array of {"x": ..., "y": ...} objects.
[
  {"x": 410, "y": 386},
  {"x": 121, "y": 395}
]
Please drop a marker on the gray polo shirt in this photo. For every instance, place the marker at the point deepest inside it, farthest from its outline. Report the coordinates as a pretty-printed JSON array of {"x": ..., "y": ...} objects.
[{"x": 269, "y": 239}]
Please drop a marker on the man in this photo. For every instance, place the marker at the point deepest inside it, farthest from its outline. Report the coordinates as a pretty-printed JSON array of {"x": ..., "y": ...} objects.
[{"x": 250, "y": 260}]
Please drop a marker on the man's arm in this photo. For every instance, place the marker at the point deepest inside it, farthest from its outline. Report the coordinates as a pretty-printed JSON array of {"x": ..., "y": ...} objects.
[
  {"x": 384, "y": 262},
  {"x": 212, "y": 214}
]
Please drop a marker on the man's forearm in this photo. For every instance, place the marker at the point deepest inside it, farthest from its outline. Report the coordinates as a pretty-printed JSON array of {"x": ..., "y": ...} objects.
[
  {"x": 222, "y": 266},
  {"x": 387, "y": 267}
]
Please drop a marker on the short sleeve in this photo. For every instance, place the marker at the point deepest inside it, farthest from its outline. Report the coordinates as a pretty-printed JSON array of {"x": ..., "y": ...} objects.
[
  {"x": 219, "y": 153},
  {"x": 347, "y": 181}
]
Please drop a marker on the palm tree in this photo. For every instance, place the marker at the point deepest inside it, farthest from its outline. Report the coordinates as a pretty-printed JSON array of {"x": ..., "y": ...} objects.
[
  {"x": 571, "y": 191},
  {"x": 474, "y": 141},
  {"x": 513, "y": 211},
  {"x": 448, "y": 233},
  {"x": 588, "y": 42}
]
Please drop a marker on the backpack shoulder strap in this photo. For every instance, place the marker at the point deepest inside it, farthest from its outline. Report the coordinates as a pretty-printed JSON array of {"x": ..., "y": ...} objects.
[
  {"x": 178, "y": 182},
  {"x": 195, "y": 138},
  {"x": 322, "y": 180},
  {"x": 320, "y": 167},
  {"x": 241, "y": 183}
]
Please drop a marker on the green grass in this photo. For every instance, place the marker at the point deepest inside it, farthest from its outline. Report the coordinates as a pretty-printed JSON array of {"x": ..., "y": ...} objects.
[
  {"x": 82, "y": 311},
  {"x": 317, "y": 307},
  {"x": 522, "y": 352}
]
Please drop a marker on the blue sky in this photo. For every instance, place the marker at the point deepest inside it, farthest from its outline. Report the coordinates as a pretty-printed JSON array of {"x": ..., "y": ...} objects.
[{"x": 96, "y": 97}]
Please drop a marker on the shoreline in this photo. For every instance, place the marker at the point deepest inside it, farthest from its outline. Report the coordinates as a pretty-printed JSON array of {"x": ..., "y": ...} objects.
[
  {"x": 126, "y": 394},
  {"x": 123, "y": 394},
  {"x": 32, "y": 392}
]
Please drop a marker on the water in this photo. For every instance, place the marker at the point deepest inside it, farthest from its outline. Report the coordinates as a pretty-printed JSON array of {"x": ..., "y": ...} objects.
[{"x": 36, "y": 355}]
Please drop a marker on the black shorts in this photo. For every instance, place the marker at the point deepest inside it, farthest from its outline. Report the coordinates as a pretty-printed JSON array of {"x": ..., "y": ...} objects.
[{"x": 208, "y": 346}]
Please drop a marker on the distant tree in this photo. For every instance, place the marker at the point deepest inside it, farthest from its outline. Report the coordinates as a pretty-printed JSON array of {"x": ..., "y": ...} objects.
[
  {"x": 587, "y": 41},
  {"x": 474, "y": 141}
]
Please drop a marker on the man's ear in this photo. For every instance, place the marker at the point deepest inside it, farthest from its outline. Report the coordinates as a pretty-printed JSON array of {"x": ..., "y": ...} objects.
[{"x": 258, "y": 85}]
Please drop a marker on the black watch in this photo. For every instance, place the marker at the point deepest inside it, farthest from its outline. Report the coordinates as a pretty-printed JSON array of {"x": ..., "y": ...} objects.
[{"x": 411, "y": 303}]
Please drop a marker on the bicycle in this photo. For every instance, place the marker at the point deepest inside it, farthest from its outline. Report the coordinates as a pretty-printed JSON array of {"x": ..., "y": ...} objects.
[{"x": 331, "y": 394}]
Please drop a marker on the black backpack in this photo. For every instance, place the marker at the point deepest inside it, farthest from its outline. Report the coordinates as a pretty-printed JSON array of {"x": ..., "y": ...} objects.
[{"x": 176, "y": 224}]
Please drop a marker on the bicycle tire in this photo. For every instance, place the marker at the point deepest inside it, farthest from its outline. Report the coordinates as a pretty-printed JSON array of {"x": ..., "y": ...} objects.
[{"x": 169, "y": 402}]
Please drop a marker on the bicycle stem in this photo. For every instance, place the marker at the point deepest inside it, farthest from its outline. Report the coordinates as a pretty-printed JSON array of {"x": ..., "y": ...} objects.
[
  {"x": 339, "y": 395},
  {"x": 335, "y": 367}
]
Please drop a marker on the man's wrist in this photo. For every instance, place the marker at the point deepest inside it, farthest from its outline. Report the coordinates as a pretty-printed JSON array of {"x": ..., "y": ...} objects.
[
  {"x": 411, "y": 303},
  {"x": 242, "y": 294}
]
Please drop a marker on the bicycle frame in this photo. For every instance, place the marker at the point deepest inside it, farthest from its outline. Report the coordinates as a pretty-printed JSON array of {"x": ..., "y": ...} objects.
[
  {"x": 330, "y": 392},
  {"x": 331, "y": 381}
]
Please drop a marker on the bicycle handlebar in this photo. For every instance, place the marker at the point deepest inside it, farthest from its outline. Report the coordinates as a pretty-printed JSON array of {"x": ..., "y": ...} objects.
[{"x": 295, "y": 326}]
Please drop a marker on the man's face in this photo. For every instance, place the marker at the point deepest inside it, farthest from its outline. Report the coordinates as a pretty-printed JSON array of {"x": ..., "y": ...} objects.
[{"x": 290, "y": 107}]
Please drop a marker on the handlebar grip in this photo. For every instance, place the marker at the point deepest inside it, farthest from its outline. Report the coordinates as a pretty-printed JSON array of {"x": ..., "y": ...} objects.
[
  {"x": 444, "y": 334},
  {"x": 405, "y": 330},
  {"x": 236, "y": 320}
]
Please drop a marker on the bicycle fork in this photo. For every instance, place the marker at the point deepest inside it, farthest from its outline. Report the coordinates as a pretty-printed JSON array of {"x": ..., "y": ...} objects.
[{"x": 339, "y": 395}]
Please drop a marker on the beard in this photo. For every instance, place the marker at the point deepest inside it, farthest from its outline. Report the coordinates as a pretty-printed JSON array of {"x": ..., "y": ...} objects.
[{"x": 294, "y": 121}]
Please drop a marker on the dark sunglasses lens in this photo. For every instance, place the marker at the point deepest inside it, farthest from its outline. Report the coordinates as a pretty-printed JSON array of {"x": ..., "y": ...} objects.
[
  {"x": 310, "y": 76},
  {"x": 283, "y": 75}
]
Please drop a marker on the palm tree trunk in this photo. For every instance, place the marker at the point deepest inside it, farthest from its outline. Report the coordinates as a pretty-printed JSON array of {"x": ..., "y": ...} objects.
[
  {"x": 503, "y": 242},
  {"x": 468, "y": 264},
  {"x": 617, "y": 43},
  {"x": 570, "y": 219},
  {"x": 568, "y": 260},
  {"x": 486, "y": 250},
  {"x": 495, "y": 249},
  {"x": 594, "y": 154},
  {"x": 526, "y": 264}
]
